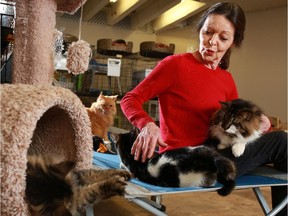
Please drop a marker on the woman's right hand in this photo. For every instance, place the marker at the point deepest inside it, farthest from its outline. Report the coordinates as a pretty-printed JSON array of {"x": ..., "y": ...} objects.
[{"x": 145, "y": 144}]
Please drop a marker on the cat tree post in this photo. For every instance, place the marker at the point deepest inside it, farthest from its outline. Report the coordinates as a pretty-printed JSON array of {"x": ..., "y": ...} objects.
[
  {"x": 33, "y": 47},
  {"x": 37, "y": 117},
  {"x": 33, "y": 56}
]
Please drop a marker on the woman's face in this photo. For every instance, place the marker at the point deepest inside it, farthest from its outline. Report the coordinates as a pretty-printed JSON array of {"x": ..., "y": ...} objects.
[{"x": 216, "y": 37}]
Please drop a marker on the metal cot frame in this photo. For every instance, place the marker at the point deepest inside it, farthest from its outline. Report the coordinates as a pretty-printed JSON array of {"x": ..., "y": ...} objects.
[{"x": 264, "y": 176}]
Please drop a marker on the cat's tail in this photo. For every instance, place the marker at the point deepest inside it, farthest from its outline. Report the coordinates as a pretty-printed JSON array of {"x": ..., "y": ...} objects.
[{"x": 226, "y": 174}]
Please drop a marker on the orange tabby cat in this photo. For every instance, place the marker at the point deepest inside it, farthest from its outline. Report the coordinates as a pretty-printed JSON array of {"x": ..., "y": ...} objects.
[{"x": 102, "y": 114}]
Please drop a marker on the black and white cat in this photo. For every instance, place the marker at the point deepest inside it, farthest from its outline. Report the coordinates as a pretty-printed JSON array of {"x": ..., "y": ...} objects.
[
  {"x": 236, "y": 124},
  {"x": 184, "y": 167}
]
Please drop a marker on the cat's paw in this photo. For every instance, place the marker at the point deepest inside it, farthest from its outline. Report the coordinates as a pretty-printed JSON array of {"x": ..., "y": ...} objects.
[
  {"x": 126, "y": 175},
  {"x": 238, "y": 149},
  {"x": 116, "y": 186}
]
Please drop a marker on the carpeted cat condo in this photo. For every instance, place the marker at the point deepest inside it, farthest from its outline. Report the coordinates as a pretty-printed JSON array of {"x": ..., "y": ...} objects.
[{"x": 38, "y": 119}]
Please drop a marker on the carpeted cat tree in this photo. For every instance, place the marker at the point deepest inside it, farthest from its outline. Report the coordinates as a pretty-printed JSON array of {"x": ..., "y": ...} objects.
[{"x": 37, "y": 117}]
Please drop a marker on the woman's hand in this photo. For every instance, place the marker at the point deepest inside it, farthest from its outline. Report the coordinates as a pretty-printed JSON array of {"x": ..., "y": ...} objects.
[
  {"x": 265, "y": 124},
  {"x": 145, "y": 144}
]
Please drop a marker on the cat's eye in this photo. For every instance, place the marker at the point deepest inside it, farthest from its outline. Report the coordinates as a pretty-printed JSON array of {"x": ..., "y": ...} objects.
[{"x": 236, "y": 124}]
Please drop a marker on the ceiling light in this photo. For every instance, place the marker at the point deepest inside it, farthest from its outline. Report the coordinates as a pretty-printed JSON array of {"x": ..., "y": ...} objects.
[
  {"x": 122, "y": 9},
  {"x": 178, "y": 13}
]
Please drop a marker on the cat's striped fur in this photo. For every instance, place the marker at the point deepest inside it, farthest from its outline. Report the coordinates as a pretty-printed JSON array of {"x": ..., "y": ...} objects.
[
  {"x": 236, "y": 124},
  {"x": 55, "y": 188}
]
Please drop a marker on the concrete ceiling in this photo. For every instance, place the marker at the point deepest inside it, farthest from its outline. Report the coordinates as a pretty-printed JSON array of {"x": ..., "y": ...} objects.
[
  {"x": 255, "y": 5},
  {"x": 139, "y": 13}
]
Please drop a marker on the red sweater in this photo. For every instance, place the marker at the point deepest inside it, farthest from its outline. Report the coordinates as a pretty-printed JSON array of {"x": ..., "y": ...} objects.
[{"x": 188, "y": 94}]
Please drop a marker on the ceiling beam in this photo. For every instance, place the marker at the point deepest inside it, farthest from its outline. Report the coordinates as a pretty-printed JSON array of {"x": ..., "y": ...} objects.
[
  {"x": 151, "y": 11},
  {"x": 92, "y": 7},
  {"x": 121, "y": 9},
  {"x": 177, "y": 14}
]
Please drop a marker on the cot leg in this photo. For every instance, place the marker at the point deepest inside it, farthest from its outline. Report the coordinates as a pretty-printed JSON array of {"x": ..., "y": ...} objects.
[
  {"x": 149, "y": 205},
  {"x": 261, "y": 200},
  {"x": 279, "y": 207},
  {"x": 155, "y": 201},
  {"x": 265, "y": 206},
  {"x": 158, "y": 200}
]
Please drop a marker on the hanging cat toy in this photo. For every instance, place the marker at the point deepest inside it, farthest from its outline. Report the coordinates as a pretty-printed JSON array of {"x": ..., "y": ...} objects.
[{"x": 79, "y": 53}]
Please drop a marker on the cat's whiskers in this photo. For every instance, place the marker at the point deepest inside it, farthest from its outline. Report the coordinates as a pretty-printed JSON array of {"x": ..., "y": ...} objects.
[{"x": 244, "y": 119}]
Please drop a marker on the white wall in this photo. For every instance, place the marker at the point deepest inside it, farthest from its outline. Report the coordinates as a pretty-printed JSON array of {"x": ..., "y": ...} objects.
[
  {"x": 259, "y": 67},
  {"x": 185, "y": 38}
]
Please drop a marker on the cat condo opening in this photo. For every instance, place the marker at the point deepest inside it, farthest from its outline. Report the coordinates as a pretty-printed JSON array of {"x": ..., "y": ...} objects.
[{"x": 39, "y": 119}]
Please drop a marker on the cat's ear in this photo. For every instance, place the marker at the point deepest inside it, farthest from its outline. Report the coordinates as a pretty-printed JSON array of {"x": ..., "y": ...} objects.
[
  {"x": 223, "y": 104},
  {"x": 247, "y": 115},
  {"x": 64, "y": 167},
  {"x": 114, "y": 97},
  {"x": 114, "y": 137},
  {"x": 100, "y": 95}
]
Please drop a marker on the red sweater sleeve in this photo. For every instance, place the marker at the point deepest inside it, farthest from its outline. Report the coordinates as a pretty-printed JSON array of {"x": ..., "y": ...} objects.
[
  {"x": 156, "y": 82},
  {"x": 131, "y": 105}
]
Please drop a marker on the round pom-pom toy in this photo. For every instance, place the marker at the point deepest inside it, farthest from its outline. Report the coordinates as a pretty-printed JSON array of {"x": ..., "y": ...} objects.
[{"x": 78, "y": 56}]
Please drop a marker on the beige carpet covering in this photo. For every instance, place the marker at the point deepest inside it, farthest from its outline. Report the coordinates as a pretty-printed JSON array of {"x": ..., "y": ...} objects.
[
  {"x": 33, "y": 46},
  {"x": 35, "y": 116},
  {"x": 43, "y": 119}
]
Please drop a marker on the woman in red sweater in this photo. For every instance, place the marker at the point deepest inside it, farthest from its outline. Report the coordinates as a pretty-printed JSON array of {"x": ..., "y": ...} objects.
[{"x": 189, "y": 87}]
